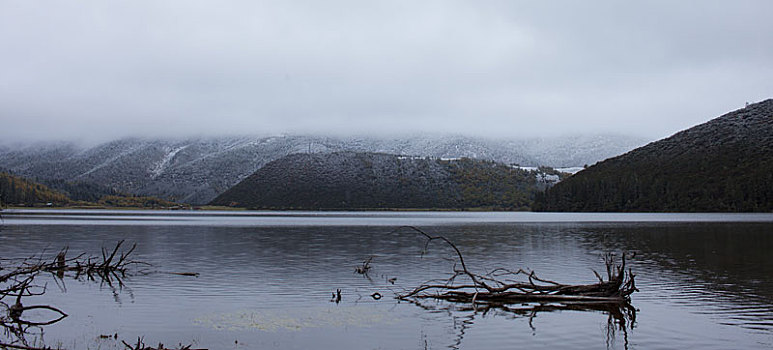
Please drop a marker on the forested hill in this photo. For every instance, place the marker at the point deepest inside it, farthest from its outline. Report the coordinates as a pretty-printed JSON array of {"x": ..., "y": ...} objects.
[
  {"x": 349, "y": 180},
  {"x": 724, "y": 165},
  {"x": 17, "y": 190}
]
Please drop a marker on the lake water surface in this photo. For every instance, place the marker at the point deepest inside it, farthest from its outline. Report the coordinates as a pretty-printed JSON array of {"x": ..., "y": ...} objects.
[{"x": 705, "y": 280}]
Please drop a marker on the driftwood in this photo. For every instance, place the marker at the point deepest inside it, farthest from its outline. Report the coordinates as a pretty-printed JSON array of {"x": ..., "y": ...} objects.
[
  {"x": 502, "y": 286},
  {"x": 17, "y": 281},
  {"x": 17, "y": 277},
  {"x": 13, "y": 286},
  {"x": 112, "y": 265}
]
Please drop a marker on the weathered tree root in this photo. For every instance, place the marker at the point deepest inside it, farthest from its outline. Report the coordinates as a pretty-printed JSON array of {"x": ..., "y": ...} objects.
[{"x": 501, "y": 286}]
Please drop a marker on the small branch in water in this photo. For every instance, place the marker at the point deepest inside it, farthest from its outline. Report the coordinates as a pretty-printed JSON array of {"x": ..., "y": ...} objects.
[
  {"x": 191, "y": 274},
  {"x": 336, "y": 296},
  {"x": 141, "y": 346},
  {"x": 365, "y": 267}
]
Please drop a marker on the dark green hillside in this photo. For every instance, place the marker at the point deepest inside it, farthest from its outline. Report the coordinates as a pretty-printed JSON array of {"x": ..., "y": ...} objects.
[
  {"x": 348, "y": 180},
  {"x": 81, "y": 191},
  {"x": 724, "y": 165},
  {"x": 488, "y": 184}
]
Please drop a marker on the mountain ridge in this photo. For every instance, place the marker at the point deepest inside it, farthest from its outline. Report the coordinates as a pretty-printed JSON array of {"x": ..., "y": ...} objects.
[
  {"x": 725, "y": 164},
  {"x": 196, "y": 170}
]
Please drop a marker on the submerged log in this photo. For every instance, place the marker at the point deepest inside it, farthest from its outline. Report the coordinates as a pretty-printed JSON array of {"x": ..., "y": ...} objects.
[{"x": 505, "y": 286}]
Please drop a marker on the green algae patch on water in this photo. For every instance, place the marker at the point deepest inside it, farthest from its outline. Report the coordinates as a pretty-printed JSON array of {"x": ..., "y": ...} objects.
[{"x": 296, "y": 319}]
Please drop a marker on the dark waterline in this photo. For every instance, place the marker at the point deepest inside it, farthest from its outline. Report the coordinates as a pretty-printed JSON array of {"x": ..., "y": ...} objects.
[{"x": 266, "y": 278}]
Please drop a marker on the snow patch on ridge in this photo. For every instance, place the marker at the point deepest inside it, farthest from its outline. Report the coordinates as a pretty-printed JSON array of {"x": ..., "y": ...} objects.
[
  {"x": 571, "y": 170},
  {"x": 159, "y": 168},
  {"x": 112, "y": 159}
]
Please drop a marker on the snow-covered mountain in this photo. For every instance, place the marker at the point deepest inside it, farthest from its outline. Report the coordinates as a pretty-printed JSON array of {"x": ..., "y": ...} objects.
[{"x": 196, "y": 170}]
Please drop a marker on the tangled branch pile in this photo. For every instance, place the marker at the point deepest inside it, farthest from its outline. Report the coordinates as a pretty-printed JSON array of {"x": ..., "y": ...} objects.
[
  {"x": 111, "y": 265},
  {"x": 507, "y": 286},
  {"x": 17, "y": 281}
]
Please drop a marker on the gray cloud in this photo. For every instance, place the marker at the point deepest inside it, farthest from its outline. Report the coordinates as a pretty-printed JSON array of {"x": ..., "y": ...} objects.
[{"x": 97, "y": 69}]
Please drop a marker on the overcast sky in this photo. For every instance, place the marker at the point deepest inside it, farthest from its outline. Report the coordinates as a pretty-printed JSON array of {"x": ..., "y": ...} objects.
[{"x": 105, "y": 69}]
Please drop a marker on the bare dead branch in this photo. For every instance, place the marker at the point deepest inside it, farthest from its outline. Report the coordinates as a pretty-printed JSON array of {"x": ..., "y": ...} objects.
[{"x": 501, "y": 284}]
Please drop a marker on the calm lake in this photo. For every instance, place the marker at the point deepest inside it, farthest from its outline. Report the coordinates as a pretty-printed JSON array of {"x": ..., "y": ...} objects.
[{"x": 266, "y": 278}]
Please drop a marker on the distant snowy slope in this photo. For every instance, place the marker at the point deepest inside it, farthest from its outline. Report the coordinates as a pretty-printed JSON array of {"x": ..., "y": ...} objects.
[
  {"x": 196, "y": 170},
  {"x": 579, "y": 150}
]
